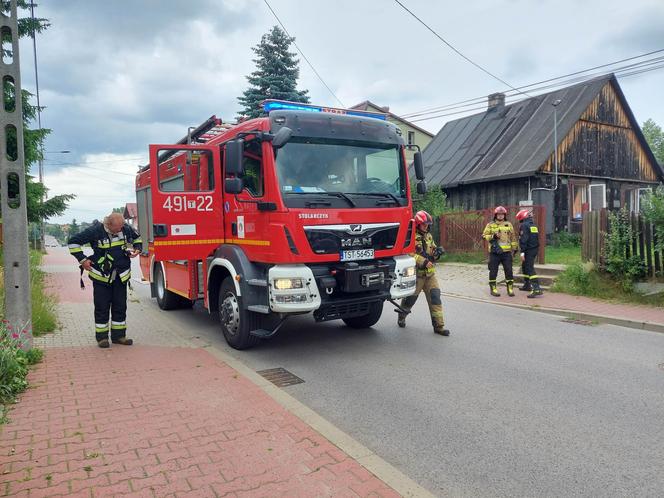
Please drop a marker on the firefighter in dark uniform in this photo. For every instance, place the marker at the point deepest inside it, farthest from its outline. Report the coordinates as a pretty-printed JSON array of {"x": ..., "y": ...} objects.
[
  {"x": 528, "y": 245},
  {"x": 426, "y": 253},
  {"x": 502, "y": 244},
  {"x": 113, "y": 242}
]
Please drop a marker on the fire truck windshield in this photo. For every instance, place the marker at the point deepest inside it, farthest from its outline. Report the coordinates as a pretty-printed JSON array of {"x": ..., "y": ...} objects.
[{"x": 359, "y": 169}]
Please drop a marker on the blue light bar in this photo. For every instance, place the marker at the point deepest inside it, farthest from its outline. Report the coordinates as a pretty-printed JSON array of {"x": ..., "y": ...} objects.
[{"x": 273, "y": 105}]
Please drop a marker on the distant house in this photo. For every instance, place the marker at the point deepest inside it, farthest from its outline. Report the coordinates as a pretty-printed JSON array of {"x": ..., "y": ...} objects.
[
  {"x": 412, "y": 134},
  {"x": 502, "y": 155},
  {"x": 131, "y": 214}
]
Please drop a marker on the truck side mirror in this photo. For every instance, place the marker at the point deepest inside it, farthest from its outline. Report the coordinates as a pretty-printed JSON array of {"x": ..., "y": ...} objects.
[
  {"x": 234, "y": 153},
  {"x": 233, "y": 185},
  {"x": 419, "y": 166},
  {"x": 421, "y": 187},
  {"x": 281, "y": 137}
]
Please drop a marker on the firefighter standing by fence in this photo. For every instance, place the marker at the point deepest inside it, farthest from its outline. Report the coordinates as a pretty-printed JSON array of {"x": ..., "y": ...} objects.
[
  {"x": 502, "y": 244},
  {"x": 529, "y": 246},
  {"x": 113, "y": 242},
  {"x": 426, "y": 253}
]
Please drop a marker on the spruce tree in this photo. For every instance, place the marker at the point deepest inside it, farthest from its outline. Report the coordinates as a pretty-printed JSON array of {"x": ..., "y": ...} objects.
[{"x": 275, "y": 76}]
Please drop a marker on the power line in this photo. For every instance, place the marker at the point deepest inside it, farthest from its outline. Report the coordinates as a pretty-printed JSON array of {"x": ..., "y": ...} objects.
[
  {"x": 302, "y": 54},
  {"x": 108, "y": 161},
  {"x": 456, "y": 50},
  {"x": 471, "y": 101},
  {"x": 635, "y": 71}
]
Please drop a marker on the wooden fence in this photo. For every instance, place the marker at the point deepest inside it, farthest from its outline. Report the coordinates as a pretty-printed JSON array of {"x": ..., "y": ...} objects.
[
  {"x": 462, "y": 231},
  {"x": 596, "y": 226}
]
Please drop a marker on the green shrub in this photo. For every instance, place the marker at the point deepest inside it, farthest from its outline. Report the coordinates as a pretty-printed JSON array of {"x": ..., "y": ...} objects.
[
  {"x": 577, "y": 280},
  {"x": 653, "y": 210},
  {"x": 14, "y": 363},
  {"x": 623, "y": 268},
  {"x": 566, "y": 239}
]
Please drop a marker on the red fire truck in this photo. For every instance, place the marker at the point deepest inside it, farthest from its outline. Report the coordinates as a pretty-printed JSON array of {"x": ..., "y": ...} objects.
[{"x": 307, "y": 209}]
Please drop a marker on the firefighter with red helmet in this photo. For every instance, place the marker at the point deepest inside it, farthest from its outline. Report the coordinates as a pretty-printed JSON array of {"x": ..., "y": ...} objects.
[
  {"x": 502, "y": 244},
  {"x": 528, "y": 245},
  {"x": 426, "y": 253}
]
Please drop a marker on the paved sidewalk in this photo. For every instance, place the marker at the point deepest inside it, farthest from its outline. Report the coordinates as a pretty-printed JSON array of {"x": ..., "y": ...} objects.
[
  {"x": 471, "y": 281},
  {"x": 160, "y": 418}
]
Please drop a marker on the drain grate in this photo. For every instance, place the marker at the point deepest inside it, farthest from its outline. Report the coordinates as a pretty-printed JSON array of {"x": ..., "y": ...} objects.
[
  {"x": 280, "y": 377},
  {"x": 578, "y": 321}
]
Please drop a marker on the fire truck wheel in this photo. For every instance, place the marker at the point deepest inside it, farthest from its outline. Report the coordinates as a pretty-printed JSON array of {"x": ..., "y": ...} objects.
[
  {"x": 236, "y": 322},
  {"x": 366, "y": 321},
  {"x": 166, "y": 299}
]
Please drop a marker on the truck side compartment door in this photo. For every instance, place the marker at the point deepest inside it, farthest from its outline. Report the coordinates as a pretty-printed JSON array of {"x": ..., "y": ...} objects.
[{"x": 187, "y": 204}]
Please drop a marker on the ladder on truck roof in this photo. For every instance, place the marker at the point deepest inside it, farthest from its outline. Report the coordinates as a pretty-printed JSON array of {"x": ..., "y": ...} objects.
[{"x": 202, "y": 134}]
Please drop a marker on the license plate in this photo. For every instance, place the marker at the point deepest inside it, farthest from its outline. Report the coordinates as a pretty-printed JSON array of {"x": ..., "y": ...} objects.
[{"x": 357, "y": 254}]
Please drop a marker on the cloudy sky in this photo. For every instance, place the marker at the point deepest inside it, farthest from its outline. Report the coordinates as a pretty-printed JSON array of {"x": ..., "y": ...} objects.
[{"x": 116, "y": 76}]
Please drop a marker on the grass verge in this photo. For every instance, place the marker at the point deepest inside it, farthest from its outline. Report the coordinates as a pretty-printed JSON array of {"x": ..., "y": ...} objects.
[
  {"x": 14, "y": 365},
  {"x": 43, "y": 304},
  {"x": 581, "y": 281}
]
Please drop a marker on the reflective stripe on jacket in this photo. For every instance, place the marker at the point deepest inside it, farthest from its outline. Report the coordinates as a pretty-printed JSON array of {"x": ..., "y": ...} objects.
[
  {"x": 109, "y": 258},
  {"x": 507, "y": 239}
]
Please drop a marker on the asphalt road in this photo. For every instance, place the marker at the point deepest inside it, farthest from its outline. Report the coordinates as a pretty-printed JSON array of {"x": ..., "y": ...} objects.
[{"x": 514, "y": 403}]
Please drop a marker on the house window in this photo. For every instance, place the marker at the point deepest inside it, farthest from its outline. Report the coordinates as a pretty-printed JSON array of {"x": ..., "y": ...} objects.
[
  {"x": 579, "y": 201},
  {"x": 634, "y": 197},
  {"x": 411, "y": 137},
  {"x": 597, "y": 196}
]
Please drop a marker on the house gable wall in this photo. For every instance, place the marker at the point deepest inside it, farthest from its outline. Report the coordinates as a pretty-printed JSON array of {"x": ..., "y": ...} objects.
[{"x": 604, "y": 144}]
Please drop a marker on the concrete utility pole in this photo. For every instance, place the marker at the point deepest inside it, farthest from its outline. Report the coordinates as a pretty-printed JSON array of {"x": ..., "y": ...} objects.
[{"x": 18, "y": 308}]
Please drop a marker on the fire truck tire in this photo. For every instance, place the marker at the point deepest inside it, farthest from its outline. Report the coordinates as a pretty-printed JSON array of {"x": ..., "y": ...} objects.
[
  {"x": 368, "y": 320},
  {"x": 166, "y": 299},
  {"x": 236, "y": 322}
]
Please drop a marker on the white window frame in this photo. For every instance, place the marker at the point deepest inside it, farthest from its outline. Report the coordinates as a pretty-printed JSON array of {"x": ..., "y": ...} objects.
[
  {"x": 637, "y": 198},
  {"x": 410, "y": 134},
  {"x": 590, "y": 195}
]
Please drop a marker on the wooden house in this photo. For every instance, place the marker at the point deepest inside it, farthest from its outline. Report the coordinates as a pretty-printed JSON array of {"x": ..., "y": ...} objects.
[{"x": 508, "y": 153}]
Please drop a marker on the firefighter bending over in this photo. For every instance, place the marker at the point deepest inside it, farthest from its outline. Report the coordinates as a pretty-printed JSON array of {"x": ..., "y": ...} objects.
[
  {"x": 426, "y": 253},
  {"x": 109, "y": 268},
  {"x": 502, "y": 244},
  {"x": 529, "y": 245}
]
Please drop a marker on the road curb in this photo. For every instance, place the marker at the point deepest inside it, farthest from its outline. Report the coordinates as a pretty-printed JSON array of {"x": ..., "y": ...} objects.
[
  {"x": 384, "y": 471},
  {"x": 612, "y": 320}
]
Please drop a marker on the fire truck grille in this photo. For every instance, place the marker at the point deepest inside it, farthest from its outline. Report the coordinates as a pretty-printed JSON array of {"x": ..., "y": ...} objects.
[
  {"x": 341, "y": 310},
  {"x": 330, "y": 241}
]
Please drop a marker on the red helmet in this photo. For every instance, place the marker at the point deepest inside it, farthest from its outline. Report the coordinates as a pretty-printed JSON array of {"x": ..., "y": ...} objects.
[
  {"x": 523, "y": 214},
  {"x": 500, "y": 210},
  {"x": 423, "y": 218}
]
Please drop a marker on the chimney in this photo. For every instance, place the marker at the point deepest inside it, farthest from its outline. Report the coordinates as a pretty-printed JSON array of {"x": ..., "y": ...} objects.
[{"x": 496, "y": 101}]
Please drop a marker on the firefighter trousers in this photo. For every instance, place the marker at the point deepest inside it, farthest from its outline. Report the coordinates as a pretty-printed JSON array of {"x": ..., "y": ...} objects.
[
  {"x": 495, "y": 260},
  {"x": 528, "y": 268},
  {"x": 429, "y": 285},
  {"x": 110, "y": 299}
]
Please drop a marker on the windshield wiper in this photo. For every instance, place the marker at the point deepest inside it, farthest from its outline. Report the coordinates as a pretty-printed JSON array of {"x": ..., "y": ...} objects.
[
  {"x": 343, "y": 196},
  {"x": 340, "y": 195},
  {"x": 393, "y": 198}
]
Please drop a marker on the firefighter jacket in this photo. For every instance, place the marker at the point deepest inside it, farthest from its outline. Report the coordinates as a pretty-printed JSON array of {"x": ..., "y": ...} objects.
[
  {"x": 528, "y": 235},
  {"x": 425, "y": 251},
  {"x": 109, "y": 258},
  {"x": 506, "y": 236}
]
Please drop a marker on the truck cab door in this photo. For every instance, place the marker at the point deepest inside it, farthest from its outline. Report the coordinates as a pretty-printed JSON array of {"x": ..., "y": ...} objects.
[{"x": 186, "y": 191}]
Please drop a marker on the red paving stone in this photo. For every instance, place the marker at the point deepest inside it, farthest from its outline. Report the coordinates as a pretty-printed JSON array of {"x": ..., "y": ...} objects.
[{"x": 158, "y": 421}]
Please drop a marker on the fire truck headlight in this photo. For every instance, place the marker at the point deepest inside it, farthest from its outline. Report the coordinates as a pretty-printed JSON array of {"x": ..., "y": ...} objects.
[
  {"x": 288, "y": 283},
  {"x": 409, "y": 272}
]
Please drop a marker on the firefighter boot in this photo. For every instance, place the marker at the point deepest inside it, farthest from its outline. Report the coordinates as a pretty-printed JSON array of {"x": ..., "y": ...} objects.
[
  {"x": 537, "y": 290},
  {"x": 526, "y": 286},
  {"x": 510, "y": 288},
  {"x": 124, "y": 341},
  {"x": 494, "y": 289},
  {"x": 401, "y": 321},
  {"x": 441, "y": 331},
  {"x": 103, "y": 344}
]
